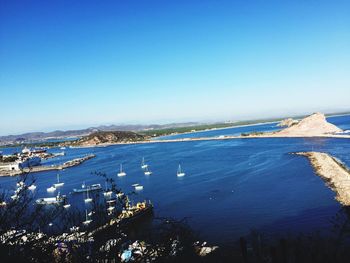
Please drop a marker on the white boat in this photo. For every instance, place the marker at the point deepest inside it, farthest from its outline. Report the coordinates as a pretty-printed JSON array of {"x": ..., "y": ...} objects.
[
  {"x": 59, "y": 199},
  {"x": 58, "y": 184},
  {"x": 107, "y": 192},
  {"x": 143, "y": 164},
  {"x": 138, "y": 187},
  {"x": 121, "y": 172},
  {"x": 63, "y": 148},
  {"x": 14, "y": 197},
  {"x": 180, "y": 173},
  {"x": 84, "y": 188},
  {"x": 32, "y": 187},
  {"x": 110, "y": 209},
  {"x": 20, "y": 184},
  {"x": 66, "y": 206},
  {"x": 51, "y": 189},
  {"x": 87, "y": 199},
  {"x": 147, "y": 171},
  {"x": 87, "y": 220}
]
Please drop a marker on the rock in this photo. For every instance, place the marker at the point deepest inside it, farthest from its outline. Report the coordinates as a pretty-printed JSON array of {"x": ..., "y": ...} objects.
[
  {"x": 287, "y": 122},
  {"x": 313, "y": 125}
]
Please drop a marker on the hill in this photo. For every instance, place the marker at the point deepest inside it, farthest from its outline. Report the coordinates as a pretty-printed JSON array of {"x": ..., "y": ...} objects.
[
  {"x": 313, "y": 125},
  {"x": 107, "y": 137}
]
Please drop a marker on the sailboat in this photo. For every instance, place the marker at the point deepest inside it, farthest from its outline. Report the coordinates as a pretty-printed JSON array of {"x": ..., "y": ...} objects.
[
  {"x": 51, "y": 189},
  {"x": 121, "y": 172},
  {"x": 87, "y": 220},
  {"x": 58, "y": 184},
  {"x": 138, "y": 187},
  {"x": 32, "y": 187},
  {"x": 143, "y": 164},
  {"x": 107, "y": 192},
  {"x": 147, "y": 171},
  {"x": 180, "y": 173},
  {"x": 87, "y": 199}
]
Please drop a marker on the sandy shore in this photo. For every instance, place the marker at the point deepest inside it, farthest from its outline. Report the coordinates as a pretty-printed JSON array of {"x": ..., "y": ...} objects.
[{"x": 334, "y": 173}]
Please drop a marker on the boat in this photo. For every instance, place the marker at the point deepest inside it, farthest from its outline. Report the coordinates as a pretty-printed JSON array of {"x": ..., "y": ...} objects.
[
  {"x": 121, "y": 172},
  {"x": 14, "y": 197},
  {"x": 87, "y": 220},
  {"x": 32, "y": 187},
  {"x": 138, "y": 187},
  {"x": 180, "y": 173},
  {"x": 84, "y": 188},
  {"x": 59, "y": 199},
  {"x": 51, "y": 189},
  {"x": 110, "y": 209},
  {"x": 58, "y": 184},
  {"x": 120, "y": 195},
  {"x": 20, "y": 184},
  {"x": 147, "y": 171},
  {"x": 66, "y": 206},
  {"x": 143, "y": 164},
  {"x": 111, "y": 201},
  {"x": 87, "y": 199},
  {"x": 107, "y": 192},
  {"x": 63, "y": 148},
  {"x": 133, "y": 213}
]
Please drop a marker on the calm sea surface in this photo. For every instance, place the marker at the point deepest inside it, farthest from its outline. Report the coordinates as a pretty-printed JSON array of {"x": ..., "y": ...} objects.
[{"x": 230, "y": 187}]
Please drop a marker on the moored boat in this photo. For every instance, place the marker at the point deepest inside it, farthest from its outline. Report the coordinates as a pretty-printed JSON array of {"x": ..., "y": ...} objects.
[
  {"x": 180, "y": 173},
  {"x": 58, "y": 184},
  {"x": 133, "y": 213},
  {"x": 143, "y": 164},
  {"x": 59, "y": 199},
  {"x": 147, "y": 171},
  {"x": 32, "y": 187},
  {"x": 51, "y": 189},
  {"x": 121, "y": 172},
  {"x": 84, "y": 188}
]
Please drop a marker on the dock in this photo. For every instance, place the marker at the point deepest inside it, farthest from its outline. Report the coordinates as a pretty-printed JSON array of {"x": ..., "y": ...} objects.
[{"x": 44, "y": 168}]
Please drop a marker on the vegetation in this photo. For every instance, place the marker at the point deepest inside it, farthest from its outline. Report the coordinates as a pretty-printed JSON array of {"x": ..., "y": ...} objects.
[{"x": 246, "y": 134}]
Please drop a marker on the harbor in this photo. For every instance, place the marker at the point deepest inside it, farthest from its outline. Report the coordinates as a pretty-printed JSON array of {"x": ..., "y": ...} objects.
[{"x": 43, "y": 168}]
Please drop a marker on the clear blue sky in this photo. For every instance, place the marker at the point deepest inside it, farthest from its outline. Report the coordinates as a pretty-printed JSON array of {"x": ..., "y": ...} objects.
[{"x": 72, "y": 64}]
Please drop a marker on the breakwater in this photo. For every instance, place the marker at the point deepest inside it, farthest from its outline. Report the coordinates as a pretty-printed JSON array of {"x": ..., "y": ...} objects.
[{"x": 333, "y": 172}]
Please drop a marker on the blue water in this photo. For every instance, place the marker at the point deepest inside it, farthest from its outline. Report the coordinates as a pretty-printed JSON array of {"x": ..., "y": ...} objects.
[{"x": 230, "y": 187}]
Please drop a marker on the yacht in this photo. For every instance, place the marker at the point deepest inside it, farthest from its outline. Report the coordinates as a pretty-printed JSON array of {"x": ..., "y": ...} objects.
[
  {"x": 107, "y": 192},
  {"x": 58, "y": 184},
  {"x": 180, "y": 173},
  {"x": 59, "y": 199},
  {"x": 87, "y": 199},
  {"x": 84, "y": 188},
  {"x": 87, "y": 220},
  {"x": 138, "y": 187},
  {"x": 143, "y": 164},
  {"x": 121, "y": 172},
  {"x": 32, "y": 187},
  {"x": 147, "y": 171},
  {"x": 51, "y": 189}
]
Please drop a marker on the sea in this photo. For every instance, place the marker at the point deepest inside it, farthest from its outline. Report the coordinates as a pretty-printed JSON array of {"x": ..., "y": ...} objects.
[{"x": 231, "y": 187}]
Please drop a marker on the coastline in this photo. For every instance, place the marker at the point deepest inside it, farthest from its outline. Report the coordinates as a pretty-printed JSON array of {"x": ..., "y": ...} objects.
[{"x": 218, "y": 138}]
